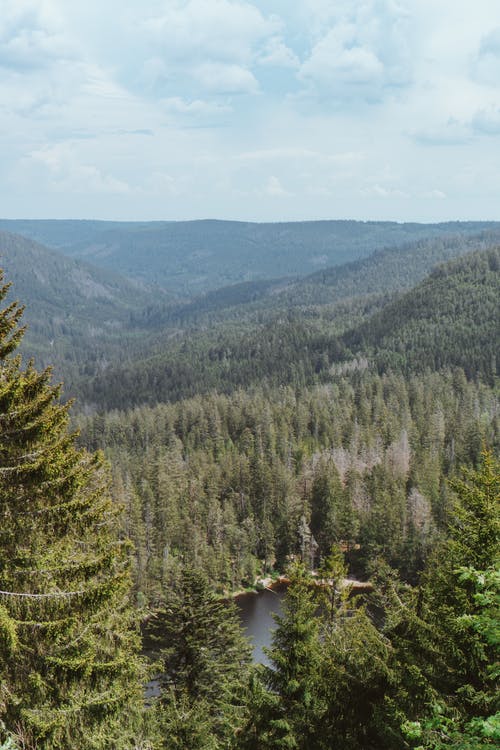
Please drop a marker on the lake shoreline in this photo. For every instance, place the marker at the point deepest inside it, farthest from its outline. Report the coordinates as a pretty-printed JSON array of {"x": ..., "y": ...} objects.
[{"x": 261, "y": 584}]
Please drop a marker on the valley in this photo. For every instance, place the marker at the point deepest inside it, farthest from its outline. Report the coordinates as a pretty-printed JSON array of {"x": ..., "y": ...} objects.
[{"x": 278, "y": 424}]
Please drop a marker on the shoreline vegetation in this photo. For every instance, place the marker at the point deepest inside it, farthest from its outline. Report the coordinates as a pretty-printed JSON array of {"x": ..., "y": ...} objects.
[
  {"x": 180, "y": 508},
  {"x": 272, "y": 582}
]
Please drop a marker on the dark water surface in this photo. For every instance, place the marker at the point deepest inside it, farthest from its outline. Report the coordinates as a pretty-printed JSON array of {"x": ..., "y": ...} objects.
[{"x": 256, "y": 612}]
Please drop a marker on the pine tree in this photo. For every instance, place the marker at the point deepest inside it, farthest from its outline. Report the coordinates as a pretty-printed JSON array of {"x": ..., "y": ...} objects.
[
  {"x": 355, "y": 668},
  {"x": 445, "y": 637},
  {"x": 473, "y": 543},
  {"x": 204, "y": 665},
  {"x": 284, "y": 708},
  {"x": 443, "y": 728},
  {"x": 68, "y": 641}
]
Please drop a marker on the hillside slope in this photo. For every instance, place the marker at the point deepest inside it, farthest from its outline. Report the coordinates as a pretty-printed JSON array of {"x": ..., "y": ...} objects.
[
  {"x": 392, "y": 269},
  {"x": 387, "y": 271},
  {"x": 191, "y": 257},
  {"x": 450, "y": 319},
  {"x": 71, "y": 307}
]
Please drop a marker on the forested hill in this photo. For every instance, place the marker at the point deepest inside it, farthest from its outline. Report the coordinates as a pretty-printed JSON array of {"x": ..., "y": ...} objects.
[
  {"x": 71, "y": 307},
  {"x": 450, "y": 319},
  {"x": 119, "y": 343},
  {"x": 357, "y": 422},
  {"x": 197, "y": 256},
  {"x": 389, "y": 270}
]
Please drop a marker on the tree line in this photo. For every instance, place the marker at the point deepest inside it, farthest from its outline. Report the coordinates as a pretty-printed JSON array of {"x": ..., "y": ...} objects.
[
  {"x": 226, "y": 482},
  {"x": 212, "y": 491}
]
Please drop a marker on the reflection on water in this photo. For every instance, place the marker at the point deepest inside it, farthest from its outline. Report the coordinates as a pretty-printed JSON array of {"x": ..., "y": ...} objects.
[{"x": 256, "y": 612}]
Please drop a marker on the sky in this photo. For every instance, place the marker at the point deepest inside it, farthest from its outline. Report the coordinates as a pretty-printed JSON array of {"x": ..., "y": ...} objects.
[{"x": 258, "y": 110}]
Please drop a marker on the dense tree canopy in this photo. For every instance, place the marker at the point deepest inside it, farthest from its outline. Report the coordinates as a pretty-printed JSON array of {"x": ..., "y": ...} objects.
[
  {"x": 272, "y": 436},
  {"x": 68, "y": 642}
]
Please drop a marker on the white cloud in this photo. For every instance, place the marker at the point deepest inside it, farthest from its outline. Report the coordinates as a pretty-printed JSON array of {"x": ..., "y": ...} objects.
[
  {"x": 278, "y": 154},
  {"x": 277, "y": 53},
  {"x": 65, "y": 172},
  {"x": 365, "y": 48},
  {"x": 487, "y": 64},
  {"x": 31, "y": 35},
  {"x": 434, "y": 195},
  {"x": 274, "y": 188},
  {"x": 160, "y": 183},
  {"x": 451, "y": 133},
  {"x": 195, "y": 107},
  {"x": 487, "y": 121},
  {"x": 334, "y": 63},
  {"x": 215, "y": 29},
  {"x": 297, "y": 155},
  {"x": 190, "y": 47},
  {"x": 490, "y": 43},
  {"x": 326, "y": 105},
  {"x": 222, "y": 78},
  {"x": 154, "y": 71},
  {"x": 380, "y": 191}
]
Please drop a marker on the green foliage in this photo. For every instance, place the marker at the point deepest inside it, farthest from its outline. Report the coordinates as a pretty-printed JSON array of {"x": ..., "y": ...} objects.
[
  {"x": 222, "y": 482},
  {"x": 196, "y": 256},
  {"x": 325, "y": 433},
  {"x": 474, "y": 531},
  {"x": 356, "y": 662},
  {"x": 338, "y": 679},
  {"x": 185, "y": 725},
  {"x": 391, "y": 269},
  {"x": 329, "y": 670},
  {"x": 285, "y": 710},
  {"x": 450, "y": 319},
  {"x": 77, "y": 316},
  {"x": 204, "y": 665},
  {"x": 446, "y": 727},
  {"x": 8, "y": 633},
  {"x": 460, "y": 609},
  {"x": 116, "y": 343},
  {"x": 441, "y": 732},
  {"x": 451, "y": 598},
  {"x": 447, "y": 321},
  {"x": 69, "y": 669}
]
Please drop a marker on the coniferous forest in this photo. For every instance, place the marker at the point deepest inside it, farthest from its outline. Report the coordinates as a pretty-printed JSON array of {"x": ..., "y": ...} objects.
[{"x": 325, "y": 428}]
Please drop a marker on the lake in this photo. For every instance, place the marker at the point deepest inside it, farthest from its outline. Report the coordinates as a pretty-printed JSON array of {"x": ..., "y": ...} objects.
[{"x": 256, "y": 611}]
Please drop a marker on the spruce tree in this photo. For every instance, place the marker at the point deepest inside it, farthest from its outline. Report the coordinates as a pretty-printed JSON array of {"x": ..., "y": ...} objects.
[
  {"x": 68, "y": 642},
  {"x": 285, "y": 708},
  {"x": 445, "y": 634},
  {"x": 204, "y": 665},
  {"x": 473, "y": 543}
]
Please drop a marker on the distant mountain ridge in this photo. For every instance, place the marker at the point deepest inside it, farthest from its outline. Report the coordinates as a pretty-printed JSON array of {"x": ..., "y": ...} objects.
[
  {"x": 68, "y": 302},
  {"x": 117, "y": 340},
  {"x": 450, "y": 319},
  {"x": 192, "y": 257},
  {"x": 386, "y": 271}
]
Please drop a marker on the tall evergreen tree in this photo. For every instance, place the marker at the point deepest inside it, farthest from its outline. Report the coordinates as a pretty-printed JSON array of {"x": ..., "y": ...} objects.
[
  {"x": 445, "y": 649},
  {"x": 473, "y": 543},
  {"x": 204, "y": 666},
  {"x": 355, "y": 667},
  {"x": 69, "y": 674},
  {"x": 285, "y": 708}
]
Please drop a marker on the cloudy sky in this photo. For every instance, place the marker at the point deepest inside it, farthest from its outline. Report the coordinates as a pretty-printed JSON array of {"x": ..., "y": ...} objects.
[{"x": 250, "y": 109}]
